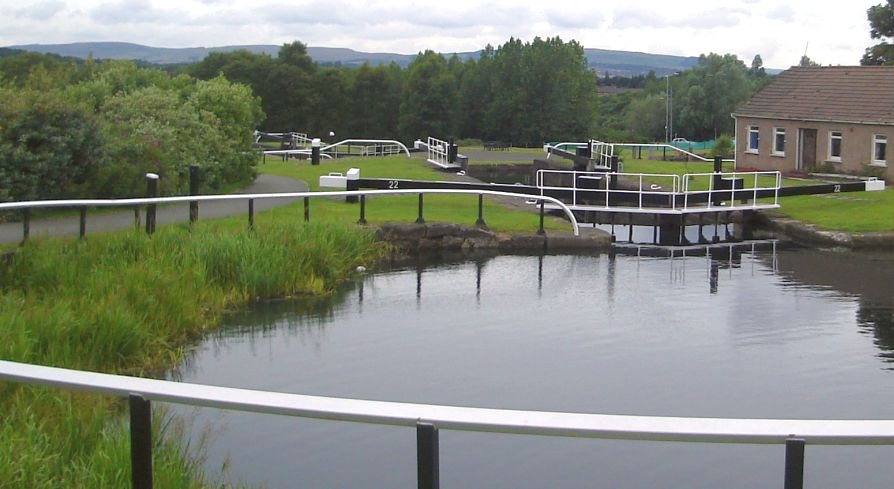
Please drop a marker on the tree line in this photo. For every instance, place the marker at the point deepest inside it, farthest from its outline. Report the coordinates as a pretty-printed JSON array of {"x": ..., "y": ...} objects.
[
  {"x": 71, "y": 128},
  {"x": 519, "y": 92}
]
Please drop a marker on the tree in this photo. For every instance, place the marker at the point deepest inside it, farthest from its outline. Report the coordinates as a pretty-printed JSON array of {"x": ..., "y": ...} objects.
[
  {"x": 881, "y": 22},
  {"x": 806, "y": 62},
  {"x": 709, "y": 93},
  {"x": 49, "y": 146},
  {"x": 757, "y": 67},
  {"x": 429, "y": 99}
]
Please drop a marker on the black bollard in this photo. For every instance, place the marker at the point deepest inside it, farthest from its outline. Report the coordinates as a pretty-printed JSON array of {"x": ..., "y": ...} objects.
[
  {"x": 315, "y": 151},
  {"x": 151, "y": 192},
  {"x": 613, "y": 178},
  {"x": 193, "y": 190},
  {"x": 717, "y": 180}
]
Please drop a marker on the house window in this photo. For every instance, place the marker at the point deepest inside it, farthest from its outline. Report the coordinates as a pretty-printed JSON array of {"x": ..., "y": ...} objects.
[
  {"x": 879, "y": 149},
  {"x": 835, "y": 146},
  {"x": 779, "y": 141},
  {"x": 753, "y": 139}
]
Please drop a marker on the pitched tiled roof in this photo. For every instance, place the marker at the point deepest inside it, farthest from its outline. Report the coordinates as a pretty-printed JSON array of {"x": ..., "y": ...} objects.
[{"x": 835, "y": 93}]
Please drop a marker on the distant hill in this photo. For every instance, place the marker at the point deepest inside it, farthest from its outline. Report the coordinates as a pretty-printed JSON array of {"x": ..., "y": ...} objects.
[{"x": 624, "y": 63}]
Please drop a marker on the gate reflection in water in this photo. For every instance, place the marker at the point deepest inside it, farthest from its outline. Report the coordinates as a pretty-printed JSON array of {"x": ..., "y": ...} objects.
[{"x": 722, "y": 331}]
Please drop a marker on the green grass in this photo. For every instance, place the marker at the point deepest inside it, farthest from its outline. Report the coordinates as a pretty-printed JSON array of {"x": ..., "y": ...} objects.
[
  {"x": 126, "y": 303},
  {"x": 460, "y": 209},
  {"x": 854, "y": 212}
]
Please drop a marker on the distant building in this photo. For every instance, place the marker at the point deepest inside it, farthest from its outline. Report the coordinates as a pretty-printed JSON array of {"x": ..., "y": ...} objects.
[{"x": 837, "y": 119}]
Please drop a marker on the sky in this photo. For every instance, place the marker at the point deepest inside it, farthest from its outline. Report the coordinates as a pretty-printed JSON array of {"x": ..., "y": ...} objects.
[{"x": 831, "y": 32}]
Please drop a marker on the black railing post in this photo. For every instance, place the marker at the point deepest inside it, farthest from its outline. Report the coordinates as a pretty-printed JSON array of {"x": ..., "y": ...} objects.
[
  {"x": 140, "y": 442},
  {"x": 540, "y": 230},
  {"x": 794, "y": 463},
  {"x": 427, "y": 466},
  {"x": 251, "y": 214},
  {"x": 193, "y": 190},
  {"x": 480, "y": 222},
  {"x": 306, "y": 209},
  {"x": 82, "y": 222},
  {"x": 362, "y": 219},
  {"x": 419, "y": 218},
  {"x": 151, "y": 192},
  {"x": 26, "y": 225}
]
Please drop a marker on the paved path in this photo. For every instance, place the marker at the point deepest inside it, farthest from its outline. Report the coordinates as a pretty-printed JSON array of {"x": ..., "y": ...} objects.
[{"x": 107, "y": 221}]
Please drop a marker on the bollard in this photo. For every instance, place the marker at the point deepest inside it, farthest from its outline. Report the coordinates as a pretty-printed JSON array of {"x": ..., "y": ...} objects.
[
  {"x": 26, "y": 225},
  {"x": 306, "y": 209},
  {"x": 613, "y": 178},
  {"x": 480, "y": 222},
  {"x": 251, "y": 214},
  {"x": 82, "y": 223},
  {"x": 452, "y": 152},
  {"x": 151, "y": 192},
  {"x": 362, "y": 219},
  {"x": 419, "y": 218},
  {"x": 717, "y": 180},
  {"x": 315, "y": 151},
  {"x": 193, "y": 190}
]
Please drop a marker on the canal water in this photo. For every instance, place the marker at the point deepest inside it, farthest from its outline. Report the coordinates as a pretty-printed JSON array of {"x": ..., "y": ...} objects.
[{"x": 754, "y": 331}]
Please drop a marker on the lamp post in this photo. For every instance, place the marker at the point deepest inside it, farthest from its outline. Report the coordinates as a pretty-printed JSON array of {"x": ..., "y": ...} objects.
[{"x": 668, "y": 108}]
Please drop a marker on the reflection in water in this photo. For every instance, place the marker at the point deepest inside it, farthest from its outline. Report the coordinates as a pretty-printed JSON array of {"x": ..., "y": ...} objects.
[{"x": 758, "y": 330}]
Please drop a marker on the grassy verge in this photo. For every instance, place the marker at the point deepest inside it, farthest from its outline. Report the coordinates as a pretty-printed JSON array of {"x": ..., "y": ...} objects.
[
  {"x": 126, "y": 303},
  {"x": 460, "y": 209}
]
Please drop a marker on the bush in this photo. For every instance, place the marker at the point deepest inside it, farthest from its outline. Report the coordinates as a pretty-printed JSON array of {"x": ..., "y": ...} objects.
[{"x": 723, "y": 147}]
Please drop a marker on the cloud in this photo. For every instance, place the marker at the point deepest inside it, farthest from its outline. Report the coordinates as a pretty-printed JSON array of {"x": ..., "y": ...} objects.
[
  {"x": 45, "y": 10},
  {"x": 712, "y": 19},
  {"x": 135, "y": 12}
]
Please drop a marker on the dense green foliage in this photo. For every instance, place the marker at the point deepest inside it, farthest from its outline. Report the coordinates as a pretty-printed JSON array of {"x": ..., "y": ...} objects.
[
  {"x": 525, "y": 93},
  {"x": 93, "y": 129},
  {"x": 881, "y": 22},
  {"x": 701, "y": 101},
  {"x": 125, "y": 303}
]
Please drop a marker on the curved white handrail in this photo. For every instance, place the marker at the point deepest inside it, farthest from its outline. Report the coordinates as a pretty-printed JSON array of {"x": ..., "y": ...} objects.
[
  {"x": 368, "y": 141},
  {"x": 337, "y": 193},
  {"x": 605, "y": 426}
]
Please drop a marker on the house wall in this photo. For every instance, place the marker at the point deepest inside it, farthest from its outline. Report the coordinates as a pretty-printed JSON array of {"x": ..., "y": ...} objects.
[{"x": 856, "y": 147}]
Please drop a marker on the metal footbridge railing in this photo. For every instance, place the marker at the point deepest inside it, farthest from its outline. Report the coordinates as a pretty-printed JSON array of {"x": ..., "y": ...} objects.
[{"x": 428, "y": 419}]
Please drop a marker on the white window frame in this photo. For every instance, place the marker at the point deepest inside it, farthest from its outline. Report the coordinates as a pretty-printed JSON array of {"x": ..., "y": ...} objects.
[
  {"x": 756, "y": 148},
  {"x": 879, "y": 139},
  {"x": 840, "y": 138},
  {"x": 777, "y": 131}
]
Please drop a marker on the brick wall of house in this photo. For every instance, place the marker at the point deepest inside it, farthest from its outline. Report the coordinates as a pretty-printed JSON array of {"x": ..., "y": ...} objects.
[{"x": 856, "y": 147}]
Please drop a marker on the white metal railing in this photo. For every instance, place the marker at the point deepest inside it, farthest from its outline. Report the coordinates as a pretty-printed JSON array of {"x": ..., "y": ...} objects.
[
  {"x": 151, "y": 201},
  {"x": 676, "y": 189},
  {"x": 749, "y": 193},
  {"x": 439, "y": 153},
  {"x": 794, "y": 433},
  {"x": 349, "y": 143},
  {"x": 604, "y": 186},
  {"x": 380, "y": 150}
]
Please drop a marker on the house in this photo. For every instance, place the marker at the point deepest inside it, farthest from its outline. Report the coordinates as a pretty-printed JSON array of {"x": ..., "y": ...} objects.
[{"x": 827, "y": 119}]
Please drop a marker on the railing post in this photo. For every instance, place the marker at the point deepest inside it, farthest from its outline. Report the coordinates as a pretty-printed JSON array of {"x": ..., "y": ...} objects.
[
  {"x": 82, "y": 222},
  {"x": 251, "y": 214},
  {"x": 480, "y": 222},
  {"x": 26, "y": 225},
  {"x": 794, "y": 463},
  {"x": 151, "y": 192},
  {"x": 540, "y": 230},
  {"x": 419, "y": 218},
  {"x": 362, "y": 219},
  {"x": 306, "y": 209},
  {"x": 193, "y": 190},
  {"x": 427, "y": 467},
  {"x": 140, "y": 442}
]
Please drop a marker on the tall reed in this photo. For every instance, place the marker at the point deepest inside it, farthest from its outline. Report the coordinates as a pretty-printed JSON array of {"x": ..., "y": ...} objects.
[{"x": 128, "y": 303}]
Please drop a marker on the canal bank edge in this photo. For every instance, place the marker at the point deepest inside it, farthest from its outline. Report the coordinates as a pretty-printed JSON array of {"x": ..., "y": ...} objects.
[
  {"x": 414, "y": 238},
  {"x": 811, "y": 235}
]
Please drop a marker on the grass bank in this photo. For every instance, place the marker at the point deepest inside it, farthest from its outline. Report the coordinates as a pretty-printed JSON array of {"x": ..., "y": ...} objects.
[
  {"x": 459, "y": 209},
  {"x": 127, "y": 303}
]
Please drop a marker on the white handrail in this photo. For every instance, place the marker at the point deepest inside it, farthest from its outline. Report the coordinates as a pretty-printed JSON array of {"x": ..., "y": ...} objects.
[
  {"x": 336, "y": 193},
  {"x": 545, "y": 423},
  {"x": 368, "y": 141}
]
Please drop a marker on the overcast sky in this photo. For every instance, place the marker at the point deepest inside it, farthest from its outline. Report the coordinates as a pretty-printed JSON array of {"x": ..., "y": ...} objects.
[{"x": 832, "y": 31}]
